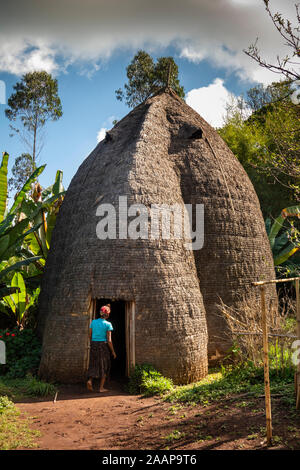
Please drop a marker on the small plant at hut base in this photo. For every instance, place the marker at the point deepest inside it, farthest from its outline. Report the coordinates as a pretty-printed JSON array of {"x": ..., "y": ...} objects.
[{"x": 145, "y": 379}]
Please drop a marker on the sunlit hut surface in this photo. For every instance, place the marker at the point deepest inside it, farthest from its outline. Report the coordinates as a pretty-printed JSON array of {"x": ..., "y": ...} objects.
[{"x": 162, "y": 152}]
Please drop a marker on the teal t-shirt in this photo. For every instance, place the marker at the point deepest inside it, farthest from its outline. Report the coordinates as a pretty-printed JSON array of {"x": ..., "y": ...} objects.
[{"x": 99, "y": 328}]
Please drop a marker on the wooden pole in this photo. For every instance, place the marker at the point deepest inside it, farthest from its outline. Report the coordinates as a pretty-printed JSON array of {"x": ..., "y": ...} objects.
[
  {"x": 298, "y": 336},
  {"x": 274, "y": 281},
  {"x": 266, "y": 365}
]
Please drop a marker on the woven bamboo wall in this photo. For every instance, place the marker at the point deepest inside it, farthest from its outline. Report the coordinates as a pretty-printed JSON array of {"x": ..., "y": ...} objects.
[{"x": 152, "y": 159}]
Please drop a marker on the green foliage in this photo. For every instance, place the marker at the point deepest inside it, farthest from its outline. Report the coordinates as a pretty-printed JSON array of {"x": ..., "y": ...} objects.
[
  {"x": 174, "y": 436},
  {"x": 267, "y": 144},
  {"x": 25, "y": 236},
  {"x": 146, "y": 77},
  {"x": 6, "y": 405},
  {"x": 29, "y": 386},
  {"x": 38, "y": 388},
  {"x": 283, "y": 235},
  {"x": 13, "y": 231},
  {"x": 263, "y": 98},
  {"x": 20, "y": 301},
  {"x": 14, "y": 431},
  {"x": 23, "y": 351},
  {"x": 145, "y": 379}
]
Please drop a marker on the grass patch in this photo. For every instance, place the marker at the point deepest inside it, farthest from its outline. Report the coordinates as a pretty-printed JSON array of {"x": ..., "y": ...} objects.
[
  {"x": 14, "y": 431},
  {"x": 145, "y": 379},
  {"x": 231, "y": 381},
  {"x": 29, "y": 386}
]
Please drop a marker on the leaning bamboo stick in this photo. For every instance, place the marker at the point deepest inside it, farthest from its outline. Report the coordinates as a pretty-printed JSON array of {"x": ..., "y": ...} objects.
[
  {"x": 266, "y": 365},
  {"x": 260, "y": 333},
  {"x": 275, "y": 281}
]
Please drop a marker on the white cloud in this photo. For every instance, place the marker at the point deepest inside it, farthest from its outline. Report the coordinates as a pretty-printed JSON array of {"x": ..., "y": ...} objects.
[
  {"x": 21, "y": 56},
  {"x": 210, "y": 102},
  {"x": 101, "y": 134},
  {"x": 52, "y": 35},
  {"x": 106, "y": 125}
]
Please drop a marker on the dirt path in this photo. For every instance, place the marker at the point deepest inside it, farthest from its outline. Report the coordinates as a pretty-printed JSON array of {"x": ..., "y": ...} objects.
[
  {"x": 83, "y": 420},
  {"x": 115, "y": 420}
]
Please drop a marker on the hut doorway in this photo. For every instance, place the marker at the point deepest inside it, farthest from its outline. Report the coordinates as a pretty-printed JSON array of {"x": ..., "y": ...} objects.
[{"x": 122, "y": 318}]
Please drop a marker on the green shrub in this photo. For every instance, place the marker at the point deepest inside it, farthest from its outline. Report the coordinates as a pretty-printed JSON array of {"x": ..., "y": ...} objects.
[
  {"x": 145, "y": 379},
  {"x": 36, "y": 387},
  {"x": 23, "y": 351},
  {"x": 18, "y": 388}
]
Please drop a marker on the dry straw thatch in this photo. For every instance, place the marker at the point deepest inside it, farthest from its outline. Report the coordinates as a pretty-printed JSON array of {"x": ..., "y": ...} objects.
[{"x": 161, "y": 152}]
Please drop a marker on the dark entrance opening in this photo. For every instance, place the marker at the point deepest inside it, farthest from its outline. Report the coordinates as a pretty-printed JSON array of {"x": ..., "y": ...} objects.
[{"x": 117, "y": 319}]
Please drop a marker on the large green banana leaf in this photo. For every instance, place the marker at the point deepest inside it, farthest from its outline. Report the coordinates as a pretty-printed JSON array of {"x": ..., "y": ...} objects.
[
  {"x": 4, "y": 244},
  {"x": 17, "y": 300},
  {"x": 6, "y": 223},
  {"x": 285, "y": 254},
  {"x": 18, "y": 265},
  {"x": 14, "y": 243},
  {"x": 58, "y": 186},
  {"x": 292, "y": 211}
]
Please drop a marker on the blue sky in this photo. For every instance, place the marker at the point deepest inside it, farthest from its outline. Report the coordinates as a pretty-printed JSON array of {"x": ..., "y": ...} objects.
[{"x": 90, "y": 63}]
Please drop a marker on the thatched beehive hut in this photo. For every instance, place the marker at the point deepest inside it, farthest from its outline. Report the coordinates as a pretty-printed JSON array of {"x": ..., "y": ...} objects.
[{"x": 165, "y": 298}]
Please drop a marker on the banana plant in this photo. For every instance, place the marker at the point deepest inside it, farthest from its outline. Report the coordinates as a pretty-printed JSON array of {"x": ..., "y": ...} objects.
[
  {"x": 25, "y": 229},
  {"x": 19, "y": 301},
  {"x": 12, "y": 231},
  {"x": 287, "y": 243},
  {"x": 47, "y": 206}
]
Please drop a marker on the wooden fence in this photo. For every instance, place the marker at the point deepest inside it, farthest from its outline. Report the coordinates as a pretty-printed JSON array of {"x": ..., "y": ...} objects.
[{"x": 280, "y": 337}]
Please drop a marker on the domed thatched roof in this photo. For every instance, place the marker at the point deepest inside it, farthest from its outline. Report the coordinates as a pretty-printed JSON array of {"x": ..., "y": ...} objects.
[{"x": 162, "y": 152}]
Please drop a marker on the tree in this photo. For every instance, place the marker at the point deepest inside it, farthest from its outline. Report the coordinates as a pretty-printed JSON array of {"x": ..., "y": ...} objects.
[
  {"x": 268, "y": 146},
  {"x": 261, "y": 96},
  {"x": 279, "y": 120},
  {"x": 34, "y": 102},
  {"x": 22, "y": 169},
  {"x": 145, "y": 78},
  {"x": 291, "y": 36}
]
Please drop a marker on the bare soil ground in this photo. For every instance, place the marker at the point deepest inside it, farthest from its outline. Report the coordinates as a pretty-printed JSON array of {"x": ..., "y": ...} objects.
[{"x": 115, "y": 420}]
